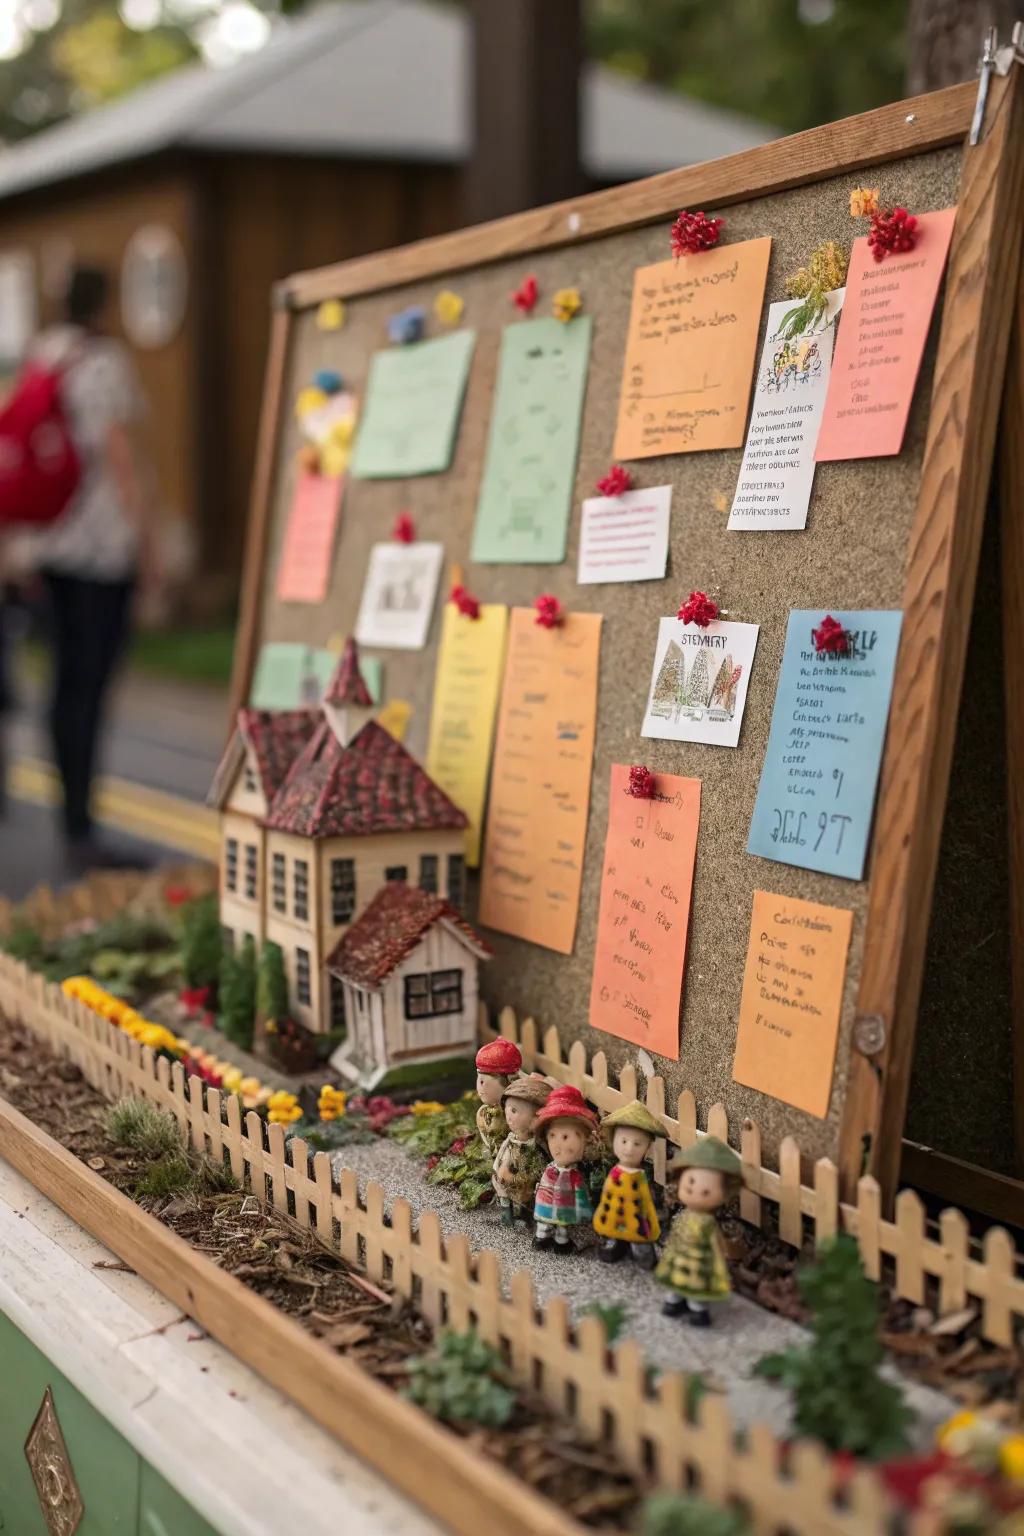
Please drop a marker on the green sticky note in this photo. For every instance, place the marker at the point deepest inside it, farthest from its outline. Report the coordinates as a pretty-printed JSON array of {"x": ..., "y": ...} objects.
[
  {"x": 413, "y": 402},
  {"x": 290, "y": 675},
  {"x": 522, "y": 517}
]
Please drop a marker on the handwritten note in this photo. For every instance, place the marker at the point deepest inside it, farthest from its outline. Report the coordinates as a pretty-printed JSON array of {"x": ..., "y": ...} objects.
[
  {"x": 305, "y": 567},
  {"x": 530, "y": 470},
  {"x": 690, "y": 351},
  {"x": 644, "y": 915},
  {"x": 625, "y": 538},
  {"x": 699, "y": 682},
  {"x": 791, "y": 1002},
  {"x": 290, "y": 675},
  {"x": 413, "y": 403},
  {"x": 398, "y": 595},
  {"x": 777, "y": 472},
  {"x": 885, "y": 322},
  {"x": 540, "y": 786},
  {"x": 466, "y": 689},
  {"x": 817, "y": 791}
]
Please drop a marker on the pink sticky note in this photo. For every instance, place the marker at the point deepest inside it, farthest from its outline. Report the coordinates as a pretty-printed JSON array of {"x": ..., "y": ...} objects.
[
  {"x": 305, "y": 565},
  {"x": 882, "y": 332}
]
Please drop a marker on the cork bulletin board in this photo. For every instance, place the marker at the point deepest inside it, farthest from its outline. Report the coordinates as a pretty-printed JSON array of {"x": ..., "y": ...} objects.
[{"x": 856, "y": 551}]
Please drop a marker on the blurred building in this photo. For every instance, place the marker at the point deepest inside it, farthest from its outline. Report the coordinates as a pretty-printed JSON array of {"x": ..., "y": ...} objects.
[{"x": 347, "y": 133}]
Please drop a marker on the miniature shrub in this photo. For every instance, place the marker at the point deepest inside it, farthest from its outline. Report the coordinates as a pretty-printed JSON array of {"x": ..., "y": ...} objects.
[
  {"x": 680, "y": 1514},
  {"x": 201, "y": 943},
  {"x": 612, "y": 1314},
  {"x": 839, "y": 1394},
  {"x": 141, "y": 1126},
  {"x": 462, "y": 1381},
  {"x": 449, "y": 1141},
  {"x": 271, "y": 983},
  {"x": 171, "y": 1175},
  {"x": 237, "y": 994}
]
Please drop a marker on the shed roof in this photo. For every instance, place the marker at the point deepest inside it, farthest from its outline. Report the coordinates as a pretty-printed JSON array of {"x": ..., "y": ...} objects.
[
  {"x": 366, "y": 78},
  {"x": 389, "y": 930}
]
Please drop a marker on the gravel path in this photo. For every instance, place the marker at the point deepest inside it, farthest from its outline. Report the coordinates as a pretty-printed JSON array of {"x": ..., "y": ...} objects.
[{"x": 725, "y": 1352}]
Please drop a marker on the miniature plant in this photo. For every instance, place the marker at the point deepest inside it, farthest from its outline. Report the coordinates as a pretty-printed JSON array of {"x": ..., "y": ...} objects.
[
  {"x": 237, "y": 994},
  {"x": 812, "y": 284},
  {"x": 840, "y": 1396},
  {"x": 462, "y": 1381},
  {"x": 455, "y": 1155},
  {"x": 612, "y": 1314},
  {"x": 271, "y": 983},
  {"x": 168, "y": 1166},
  {"x": 137, "y": 1124},
  {"x": 201, "y": 942},
  {"x": 681, "y": 1514},
  {"x": 167, "y": 1176}
]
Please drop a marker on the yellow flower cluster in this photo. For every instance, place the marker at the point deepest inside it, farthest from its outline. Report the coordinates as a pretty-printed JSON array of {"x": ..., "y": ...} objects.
[
  {"x": 825, "y": 270},
  {"x": 863, "y": 202},
  {"x": 331, "y": 315},
  {"x": 331, "y": 1102},
  {"x": 984, "y": 1442},
  {"x": 566, "y": 303},
  {"x": 427, "y": 1107},
  {"x": 448, "y": 307},
  {"x": 283, "y": 1108}
]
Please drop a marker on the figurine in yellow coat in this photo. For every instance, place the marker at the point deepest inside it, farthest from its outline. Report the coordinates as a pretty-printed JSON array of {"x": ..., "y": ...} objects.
[{"x": 625, "y": 1217}]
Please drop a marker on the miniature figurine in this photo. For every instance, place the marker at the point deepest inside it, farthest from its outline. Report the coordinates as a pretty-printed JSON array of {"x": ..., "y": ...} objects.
[
  {"x": 693, "y": 1262},
  {"x": 625, "y": 1217},
  {"x": 566, "y": 1126},
  {"x": 520, "y": 1161},
  {"x": 497, "y": 1063}
]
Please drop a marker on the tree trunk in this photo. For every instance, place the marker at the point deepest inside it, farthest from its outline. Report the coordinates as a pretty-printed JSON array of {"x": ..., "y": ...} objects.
[{"x": 944, "y": 39}]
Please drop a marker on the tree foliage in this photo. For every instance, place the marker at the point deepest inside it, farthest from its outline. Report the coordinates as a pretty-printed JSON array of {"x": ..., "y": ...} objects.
[
  {"x": 271, "y": 983},
  {"x": 462, "y": 1380},
  {"x": 201, "y": 942},
  {"x": 237, "y": 994}
]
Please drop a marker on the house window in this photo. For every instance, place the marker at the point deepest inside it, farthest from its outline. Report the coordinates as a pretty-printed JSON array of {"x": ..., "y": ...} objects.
[
  {"x": 456, "y": 879},
  {"x": 300, "y": 890},
  {"x": 249, "y": 780},
  {"x": 302, "y": 988},
  {"x": 338, "y": 1020},
  {"x": 231, "y": 864},
  {"x": 277, "y": 877},
  {"x": 343, "y": 890},
  {"x": 428, "y": 872},
  {"x": 396, "y": 872},
  {"x": 227, "y": 939},
  {"x": 433, "y": 993},
  {"x": 250, "y": 871}
]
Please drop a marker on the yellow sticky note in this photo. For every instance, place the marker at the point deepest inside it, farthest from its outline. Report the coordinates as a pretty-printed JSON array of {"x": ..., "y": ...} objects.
[
  {"x": 395, "y": 717},
  {"x": 466, "y": 690},
  {"x": 331, "y": 315}
]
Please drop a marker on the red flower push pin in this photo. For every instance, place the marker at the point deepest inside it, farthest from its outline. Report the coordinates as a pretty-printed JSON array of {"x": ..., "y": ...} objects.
[
  {"x": 465, "y": 602},
  {"x": 893, "y": 230},
  {"x": 698, "y": 609},
  {"x": 404, "y": 531},
  {"x": 525, "y": 296},
  {"x": 616, "y": 482},
  {"x": 549, "y": 611},
  {"x": 830, "y": 638},
  {"x": 694, "y": 232},
  {"x": 641, "y": 783}
]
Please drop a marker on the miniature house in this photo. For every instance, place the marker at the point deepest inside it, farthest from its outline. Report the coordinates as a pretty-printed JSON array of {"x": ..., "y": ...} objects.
[
  {"x": 408, "y": 970},
  {"x": 306, "y": 843}
]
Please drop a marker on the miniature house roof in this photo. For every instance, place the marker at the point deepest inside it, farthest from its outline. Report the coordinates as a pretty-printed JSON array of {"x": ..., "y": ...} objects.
[
  {"x": 371, "y": 785},
  {"x": 367, "y": 78},
  {"x": 390, "y": 928},
  {"x": 347, "y": 685},
  {"x": 275, "y": 738}
]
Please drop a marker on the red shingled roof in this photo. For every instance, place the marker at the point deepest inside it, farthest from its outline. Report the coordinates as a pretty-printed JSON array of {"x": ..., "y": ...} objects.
[
  {"x": 372, "y": 785},
  {"x": 390, "y": 928},
  {"x": 347, "y": 685},
  {"x": 276, "y": 737}
]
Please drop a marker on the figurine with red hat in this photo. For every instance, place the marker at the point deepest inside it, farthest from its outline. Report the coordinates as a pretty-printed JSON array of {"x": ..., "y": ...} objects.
[
  {"x": 567, "y": 1127},
  {"x": 497, "y": 1063}
]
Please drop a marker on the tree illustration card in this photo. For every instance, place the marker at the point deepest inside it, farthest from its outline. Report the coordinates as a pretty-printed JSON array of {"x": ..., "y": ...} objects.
[
  {"x": 625, "y": 538},
  {"x": 291, "y": 675},
  {"x": 522, "y": 516},
  {"x": 466, "y": 688},
  {"x": 792, "y": 999},
  {"x": 398, "y": 595},
  {"x": 644, "y": 916},
  {"x": 886, "y": 315},
  {"x": 690, "y": 351},
  {"x": 699, "y": 683},
  {"x": 305, "y": 565},
  {"x": 777, "y": 473},
  {"x": 540, "y": 787},
  {"x": 412, "y": 407},
  {"x": 816, "y": 797}
]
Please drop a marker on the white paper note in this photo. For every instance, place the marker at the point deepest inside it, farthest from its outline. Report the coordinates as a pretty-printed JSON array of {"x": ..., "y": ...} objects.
[
  {"x": 625, "y": 538},
  {"x": 398, "y": 595},
  {"x": 699, "y": 681}
]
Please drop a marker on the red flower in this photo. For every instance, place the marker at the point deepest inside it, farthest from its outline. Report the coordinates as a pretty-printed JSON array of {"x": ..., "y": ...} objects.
[
  {"x": 892, "y": 230},
  {"x": 830, "y": 638},
  {"x": 615, "y": 482},
  {"x": 404, "y": 531},
  {"x": 693, "y": 232},
  {"x": 465, "y": 602},
  {"x": 459, "y": 1145},
  {"x": 177, "y": 895},
  {"x": 698, "y": 609},
  {"x": 549, "y": 611},
  {"x": 641, "y": 783},
  {"x": 195, "y": 998},
  {"x": 525, "y": 296}
]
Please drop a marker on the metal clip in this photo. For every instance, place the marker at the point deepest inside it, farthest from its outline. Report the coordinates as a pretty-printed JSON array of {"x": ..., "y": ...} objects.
[{"x": 869, "y": 1033}]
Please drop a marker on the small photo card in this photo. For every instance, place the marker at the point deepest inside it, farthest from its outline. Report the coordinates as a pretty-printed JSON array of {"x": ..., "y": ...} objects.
[
  {"x": 625, "y": 538},
  {"x": 699, "y": 683},
  {"x": 398, "y": 595}
]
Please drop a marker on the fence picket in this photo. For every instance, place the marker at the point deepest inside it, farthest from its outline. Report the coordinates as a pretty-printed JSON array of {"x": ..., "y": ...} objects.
[
  {"x": 252, "y": 1149},
  {"x": 869, "y": 1226},
  {"x": 429, "y": 1268},
  {"x": 233, "y": 1136},
  {"x": 909, "y": 1244},
  {"x": 954, "y": 1237},
  {"x": 299, "y": 1181},
  {"x": 373, "y": 1230},
  {"x": 791, "y": 1222},
  {"x": 347, "y": 1210},
  {"x": 826, "y": 1200},
  {"x": 997, "y": 1303},
  {"x": 324, "y": 1199},
  {"x": 686, "y": 1113},
  {"x": 400, "y": 1247},
  {"x": 628, "y": 1403},
  {"x": 750, "y": 1156}
]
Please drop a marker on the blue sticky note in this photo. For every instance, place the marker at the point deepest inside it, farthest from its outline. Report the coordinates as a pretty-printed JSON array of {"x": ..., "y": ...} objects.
[{"x": 817, "y": 792}]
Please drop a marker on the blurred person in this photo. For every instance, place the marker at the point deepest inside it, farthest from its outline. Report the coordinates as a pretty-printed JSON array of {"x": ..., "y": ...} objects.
[{"x": 101, "y": 551}]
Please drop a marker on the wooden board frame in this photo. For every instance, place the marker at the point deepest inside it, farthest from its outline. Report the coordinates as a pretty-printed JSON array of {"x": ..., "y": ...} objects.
[{"x": 967, "y": 383}]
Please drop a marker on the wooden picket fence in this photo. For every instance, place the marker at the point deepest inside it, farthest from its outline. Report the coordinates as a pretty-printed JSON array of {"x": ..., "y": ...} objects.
[{"x": 609, "y": 1392}]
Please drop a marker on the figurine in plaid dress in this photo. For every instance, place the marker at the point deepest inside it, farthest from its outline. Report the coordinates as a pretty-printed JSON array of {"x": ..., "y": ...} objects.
[{"x": 566, "y": 1125}]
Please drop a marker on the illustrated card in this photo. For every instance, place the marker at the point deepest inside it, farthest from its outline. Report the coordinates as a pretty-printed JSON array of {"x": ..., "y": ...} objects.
[
  {"x": 699, "y": 682},
  {"x": 625, "y": 538},
  {"x": 398, "y": 595},
  {"x": 305, "y": 567},
  {"x": 413, "y": 403}
]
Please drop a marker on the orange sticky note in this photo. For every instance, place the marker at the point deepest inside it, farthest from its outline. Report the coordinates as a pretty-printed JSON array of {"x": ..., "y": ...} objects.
[
  {"x": 540, "y": 785},
  {"x": 792, "y": 996},
  {"x": 305, "y": 567},
  {"x": 644, "y": 915},
  {"x": 882, "y": 332},
  {"x": 690, "y": 351}
]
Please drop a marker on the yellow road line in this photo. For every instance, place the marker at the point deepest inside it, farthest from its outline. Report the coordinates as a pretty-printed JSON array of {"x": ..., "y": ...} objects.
[{"x": 151, "y": 814}]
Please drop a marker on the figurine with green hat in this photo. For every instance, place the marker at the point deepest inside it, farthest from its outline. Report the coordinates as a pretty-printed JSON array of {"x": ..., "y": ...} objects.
[
  {"x": 625, "y": 1216},
  {"x": 693, "y": 1263}
]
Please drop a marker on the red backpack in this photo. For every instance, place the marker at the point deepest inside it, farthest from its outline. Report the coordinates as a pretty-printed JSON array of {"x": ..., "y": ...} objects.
[{"x": 40, "y": 468}]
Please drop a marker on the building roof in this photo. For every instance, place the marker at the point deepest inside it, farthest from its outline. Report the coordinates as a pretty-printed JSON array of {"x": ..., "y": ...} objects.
[
  {"x": 372, "y": 785},
  {"x": 390, "y": 928},
  {"x": 367, "y": 79},
  {"x": 275, "y": 737},
  {"x": 347, "y": 685}
]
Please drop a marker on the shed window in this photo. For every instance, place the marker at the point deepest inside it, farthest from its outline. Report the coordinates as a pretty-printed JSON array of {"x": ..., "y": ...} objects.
[
  {"x": 396, "y": 872},
  {"x": 428, "y": 873},
  {"x": 456, "y": 879},
  {"x": 277, "y": 880},
  {"x": 250, "y": 871},
  {"x": 303, "y": 990},
  {"x": 431, "y": 993},
  {"x": 343, "y": 890},
  {"x": 300, "y": 890},
  {"x": 231, "y": 864}
]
